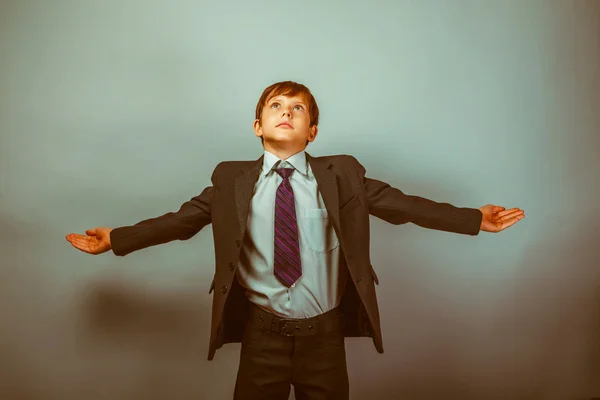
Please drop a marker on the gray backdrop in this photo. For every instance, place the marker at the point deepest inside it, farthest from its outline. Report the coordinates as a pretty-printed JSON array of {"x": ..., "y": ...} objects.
[{"x": 116, "y": 111}]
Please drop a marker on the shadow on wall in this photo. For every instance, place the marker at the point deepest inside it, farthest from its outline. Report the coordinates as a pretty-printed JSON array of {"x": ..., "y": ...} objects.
[
  {"x": 544, "y": 339},
  {"x": 124, "y": 315},
  {"x": 164, "y": 337},
  {"x": 118, "y": 341},
  {"x": 556, "y": 314}
]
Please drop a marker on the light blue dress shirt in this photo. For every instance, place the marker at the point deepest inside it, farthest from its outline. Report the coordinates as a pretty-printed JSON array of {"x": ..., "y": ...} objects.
[{"x": 321, "y": 285}]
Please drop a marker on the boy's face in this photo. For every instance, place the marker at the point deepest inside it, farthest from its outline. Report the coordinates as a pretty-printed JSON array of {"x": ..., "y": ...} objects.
[{"x": 285, "y": 124}]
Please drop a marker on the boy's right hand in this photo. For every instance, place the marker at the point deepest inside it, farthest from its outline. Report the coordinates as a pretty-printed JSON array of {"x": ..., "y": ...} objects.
[{"x": 97, "y": 240}]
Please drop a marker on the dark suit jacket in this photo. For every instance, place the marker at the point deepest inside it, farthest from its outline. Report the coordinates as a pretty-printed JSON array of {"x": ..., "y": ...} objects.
[{"x": 349, "y": 197}]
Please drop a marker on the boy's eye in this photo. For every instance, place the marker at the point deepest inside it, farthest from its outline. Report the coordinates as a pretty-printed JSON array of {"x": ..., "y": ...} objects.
[
  {"x": 274, "y": 104},
  {"x": 299, "y": 107}
]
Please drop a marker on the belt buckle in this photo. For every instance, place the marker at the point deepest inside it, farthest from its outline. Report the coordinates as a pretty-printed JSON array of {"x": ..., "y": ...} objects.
[{"x": 282, "y": 327}]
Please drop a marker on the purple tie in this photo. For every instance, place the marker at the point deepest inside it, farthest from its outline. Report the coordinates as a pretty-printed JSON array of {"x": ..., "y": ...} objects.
[{"x": 288, "y": 268}]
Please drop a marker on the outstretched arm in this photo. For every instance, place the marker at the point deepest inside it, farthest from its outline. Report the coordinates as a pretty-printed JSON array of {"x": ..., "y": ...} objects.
[
  {"x": 192, "y": 216},
  {"x": 393, "y": 206}
]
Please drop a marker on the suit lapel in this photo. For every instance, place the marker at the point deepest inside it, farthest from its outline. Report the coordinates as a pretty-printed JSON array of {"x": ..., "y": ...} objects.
[
  {"x": 244, "y": 187},
  {"x": 327, "y": 184}
]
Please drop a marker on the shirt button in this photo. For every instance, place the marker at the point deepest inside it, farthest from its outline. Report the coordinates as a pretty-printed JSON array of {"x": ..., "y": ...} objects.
[
  {"x": 237, "y": 242},
  {"x": 231, "y": 265},
  {"x": 224, "y": 289}
]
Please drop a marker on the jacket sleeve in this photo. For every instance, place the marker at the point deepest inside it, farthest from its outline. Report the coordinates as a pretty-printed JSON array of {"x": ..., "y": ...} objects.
[
  {"x": 193, "y": 215},
  {"x": 393, "y": 206}
]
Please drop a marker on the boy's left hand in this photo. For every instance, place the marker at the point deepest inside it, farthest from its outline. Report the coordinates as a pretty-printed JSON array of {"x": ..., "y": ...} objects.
[{"x": 496, "y": 218}]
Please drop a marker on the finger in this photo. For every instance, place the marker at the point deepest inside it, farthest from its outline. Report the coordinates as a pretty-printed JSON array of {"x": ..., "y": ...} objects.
[
  {"x": 82, "y": 244},
  {"x": 497, "y": 209},
  {"x": 72, "y": 236},
  {"x": 515, "y": 214},
  {"x": 81, "y": 238},
  {"x": 84, "y": 240},
  {"x": 508, "y": 212},
  {"x": 510, "y": 222}
]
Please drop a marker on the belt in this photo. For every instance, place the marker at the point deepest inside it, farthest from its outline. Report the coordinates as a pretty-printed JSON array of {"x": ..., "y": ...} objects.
[{"x": 330, "y": 321}]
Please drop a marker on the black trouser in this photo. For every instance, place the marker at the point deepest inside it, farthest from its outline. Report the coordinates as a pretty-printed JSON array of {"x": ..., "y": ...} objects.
[{"x": 307, "y": 353}]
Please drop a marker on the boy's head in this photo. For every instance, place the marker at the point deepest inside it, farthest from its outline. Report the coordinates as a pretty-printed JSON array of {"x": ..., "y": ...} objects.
[{"x": 287, "y": 116}]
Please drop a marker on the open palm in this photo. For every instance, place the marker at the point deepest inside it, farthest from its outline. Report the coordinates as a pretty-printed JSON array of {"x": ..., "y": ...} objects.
[
  {"x": 497, "y": 218},
  {"x": 96, "y": 241}
]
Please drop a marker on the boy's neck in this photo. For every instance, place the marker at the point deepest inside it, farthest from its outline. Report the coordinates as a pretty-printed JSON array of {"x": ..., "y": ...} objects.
[{"x": 283, "y": 153}]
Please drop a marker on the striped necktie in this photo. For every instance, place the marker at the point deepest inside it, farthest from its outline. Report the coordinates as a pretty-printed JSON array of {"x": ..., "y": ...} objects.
[{"x": 287, "y": 268}]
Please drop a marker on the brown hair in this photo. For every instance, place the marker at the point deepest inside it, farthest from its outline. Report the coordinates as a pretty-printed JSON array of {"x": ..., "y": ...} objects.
[{"x": 289, "y": 88}]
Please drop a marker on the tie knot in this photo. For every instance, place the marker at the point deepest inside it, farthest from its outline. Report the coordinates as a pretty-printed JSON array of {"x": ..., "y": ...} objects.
[{"x": 285, "y": 172}]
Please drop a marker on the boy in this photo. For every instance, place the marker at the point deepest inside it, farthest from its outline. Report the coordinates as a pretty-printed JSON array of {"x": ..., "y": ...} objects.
[{"x": 293, "y": 276}]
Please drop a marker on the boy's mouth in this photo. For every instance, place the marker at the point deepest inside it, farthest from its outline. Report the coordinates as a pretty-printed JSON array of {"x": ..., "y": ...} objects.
[{"x": 284, "y": 125}]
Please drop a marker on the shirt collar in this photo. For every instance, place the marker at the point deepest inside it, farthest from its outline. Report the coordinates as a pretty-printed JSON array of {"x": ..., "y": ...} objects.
[{"x": 298, "y": 161}]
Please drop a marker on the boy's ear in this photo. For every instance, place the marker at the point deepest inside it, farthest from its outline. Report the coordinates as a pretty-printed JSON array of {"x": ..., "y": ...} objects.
[
  {"x": 257, "y": 128},
  {"x": 312, "y": 133}
]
